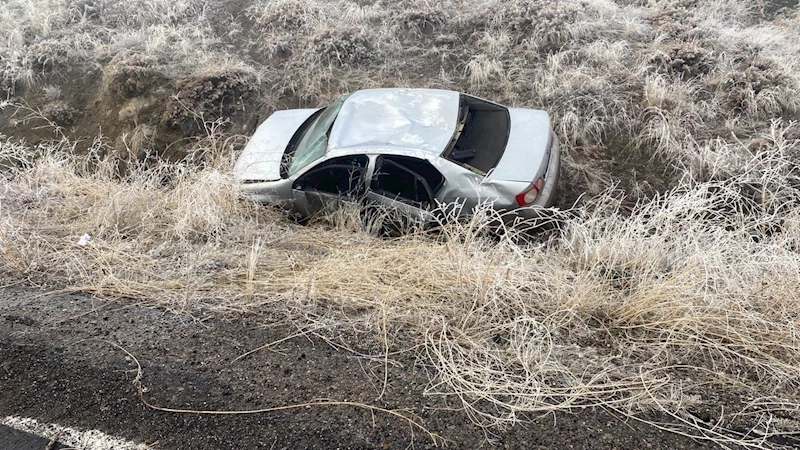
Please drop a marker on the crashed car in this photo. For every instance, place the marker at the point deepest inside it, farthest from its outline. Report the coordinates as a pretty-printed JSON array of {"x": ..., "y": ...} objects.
[{"x": 409, "y": 150}]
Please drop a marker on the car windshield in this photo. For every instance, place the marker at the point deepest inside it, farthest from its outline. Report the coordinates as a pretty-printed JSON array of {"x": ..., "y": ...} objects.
[{"x": 314, "y": 142}]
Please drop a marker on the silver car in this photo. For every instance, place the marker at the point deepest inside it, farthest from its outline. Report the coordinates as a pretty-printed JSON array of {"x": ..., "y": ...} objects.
[{"x": 410, "y": 150}]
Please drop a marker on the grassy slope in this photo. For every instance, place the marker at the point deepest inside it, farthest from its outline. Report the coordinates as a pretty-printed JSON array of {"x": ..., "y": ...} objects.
[{"x": 686, "y": 282}]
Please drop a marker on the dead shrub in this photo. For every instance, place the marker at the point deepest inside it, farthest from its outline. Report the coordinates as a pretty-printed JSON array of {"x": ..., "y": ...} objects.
[
  {"x": 343, "y": 47},
  {"x": 449, "y": 41},
  {"x": 132, "y": 13},
  {"x": 756, "y": 88},
  {"x": 141, "y": 140},
  {"x": 425, "y": 20},
  {"x": 130, "y": 74},
  {"x": 282, "y": 48},
  {"x": 793, "y": 134},
  {"x": 546, "y": 22},
  {"x": 86, "y": 9},
  {"x": 684, "y": 60},
  {"x": 6, "y": 84},
  {"x": 139, "y": 109},
  {"x": 675, "y": 19},
  {"x": 51, "y": 93},
  {"x": 671, "y": 11},
  {"x": 291, "y": 15},
  {"x": 208, "y": 95},
  {"x": 60, "y": 113},
  {"x": 45, "y": 55}
]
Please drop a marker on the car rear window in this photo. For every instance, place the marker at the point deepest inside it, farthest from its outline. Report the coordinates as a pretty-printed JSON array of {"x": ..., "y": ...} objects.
[{"x": 481, "y": 135}]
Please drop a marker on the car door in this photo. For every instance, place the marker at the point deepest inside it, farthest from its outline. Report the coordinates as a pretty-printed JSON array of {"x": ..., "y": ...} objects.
[
  {"x": 399, "y": 195},
  {"x": 322, "y": 189}
]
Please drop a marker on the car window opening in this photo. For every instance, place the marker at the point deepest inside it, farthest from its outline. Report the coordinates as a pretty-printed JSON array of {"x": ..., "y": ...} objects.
[
  {"x": 481, "y": 135},
  {"x": 395, "y": 180},
  {"x": 340, "y": 176}
]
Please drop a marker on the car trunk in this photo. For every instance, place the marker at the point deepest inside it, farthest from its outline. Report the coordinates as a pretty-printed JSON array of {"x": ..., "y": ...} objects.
[{"x": 526, "y": 153}]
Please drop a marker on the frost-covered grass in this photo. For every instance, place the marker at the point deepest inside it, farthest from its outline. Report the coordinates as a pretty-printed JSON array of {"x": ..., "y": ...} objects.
[{"x": 632, "y": 306}]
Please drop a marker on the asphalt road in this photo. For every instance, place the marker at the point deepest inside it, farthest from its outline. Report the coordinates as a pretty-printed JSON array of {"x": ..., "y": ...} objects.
[{"x": 11, "y": 439}]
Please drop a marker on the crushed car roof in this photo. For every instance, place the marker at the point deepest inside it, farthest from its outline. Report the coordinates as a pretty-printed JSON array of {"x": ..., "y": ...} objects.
[{"x": 395, "y": 119}]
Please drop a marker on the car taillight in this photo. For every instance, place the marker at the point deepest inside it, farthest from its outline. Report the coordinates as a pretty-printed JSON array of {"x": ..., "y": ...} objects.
[{"x": 529, "y": 195}]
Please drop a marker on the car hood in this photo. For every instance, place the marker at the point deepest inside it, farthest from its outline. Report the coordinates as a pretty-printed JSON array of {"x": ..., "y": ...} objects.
[
  {"x": 261, "y": 158},
  {"x": 419, "y": 119},
  {"x": 524, "y": 158}
]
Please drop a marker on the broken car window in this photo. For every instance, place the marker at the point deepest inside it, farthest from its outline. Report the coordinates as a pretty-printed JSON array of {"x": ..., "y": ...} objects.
[
  {"x": 339, "y": 176},
  {"x": 481, "y": 135},
  {"x": 314, "y": 142},
  {"x": 394, "y": 179}
]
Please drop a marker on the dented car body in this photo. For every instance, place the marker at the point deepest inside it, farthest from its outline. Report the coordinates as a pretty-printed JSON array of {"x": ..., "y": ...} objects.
[{"x": 411, "y": 150}]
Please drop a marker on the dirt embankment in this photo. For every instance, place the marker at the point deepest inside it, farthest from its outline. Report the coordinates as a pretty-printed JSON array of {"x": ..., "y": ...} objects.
[{"x": 133, "y": 108}]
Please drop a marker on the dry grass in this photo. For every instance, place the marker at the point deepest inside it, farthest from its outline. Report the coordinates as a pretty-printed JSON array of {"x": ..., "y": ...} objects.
[
  {"x": 633, "y": 310},
  {"x": 633, "y": 306},
  {"x": 645, "y": 75},
  {"x": 44, "y": 36}
]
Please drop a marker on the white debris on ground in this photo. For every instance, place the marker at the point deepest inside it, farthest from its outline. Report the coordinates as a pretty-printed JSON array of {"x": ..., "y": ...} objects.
[
  {"x": 70, "y": 437},
  {"x": 83, "y": 241}
]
